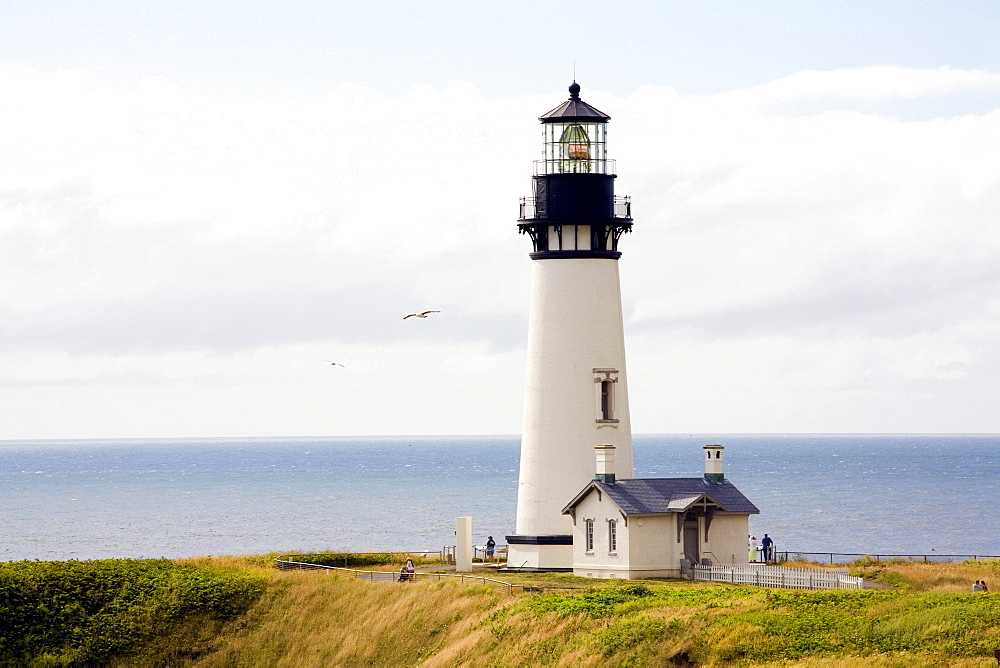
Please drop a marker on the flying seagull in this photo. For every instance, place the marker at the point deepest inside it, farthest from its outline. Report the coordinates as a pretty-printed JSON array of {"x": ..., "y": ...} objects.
[
  {"x": 419, "y": 315},
  {"x": 332, "y": 363}
]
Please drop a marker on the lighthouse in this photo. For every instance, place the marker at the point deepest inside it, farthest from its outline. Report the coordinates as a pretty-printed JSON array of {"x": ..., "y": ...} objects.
[{"x": 576, "y": 395}]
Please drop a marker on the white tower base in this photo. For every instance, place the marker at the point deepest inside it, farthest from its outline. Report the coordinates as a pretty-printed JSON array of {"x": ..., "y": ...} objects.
[
  {"x": 539, "y": 557},
  {"x": 576, "y": 398}
]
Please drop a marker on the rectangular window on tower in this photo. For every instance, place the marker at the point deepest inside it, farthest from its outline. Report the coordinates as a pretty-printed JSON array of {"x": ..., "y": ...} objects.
[{"x": 605, "y": 381}]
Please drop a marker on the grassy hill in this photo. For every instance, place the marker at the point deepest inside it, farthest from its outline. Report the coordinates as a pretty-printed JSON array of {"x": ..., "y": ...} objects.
[{"x": 239, "y": 611}]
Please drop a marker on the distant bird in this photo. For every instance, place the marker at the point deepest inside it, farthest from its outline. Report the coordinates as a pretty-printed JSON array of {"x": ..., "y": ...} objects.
[
  {"x": 332, "y": 363},
  {"x": 419, "y": 315}
]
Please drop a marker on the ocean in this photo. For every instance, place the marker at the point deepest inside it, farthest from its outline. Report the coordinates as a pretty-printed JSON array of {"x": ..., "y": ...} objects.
[{"x": 88, "y": 499}]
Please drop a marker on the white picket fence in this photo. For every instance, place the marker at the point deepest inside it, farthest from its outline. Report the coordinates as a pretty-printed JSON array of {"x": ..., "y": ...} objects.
[{"x": 778, "y": 576}]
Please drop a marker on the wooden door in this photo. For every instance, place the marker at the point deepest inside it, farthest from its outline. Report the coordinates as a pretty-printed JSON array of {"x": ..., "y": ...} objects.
[{"x": 691, "y": 552}]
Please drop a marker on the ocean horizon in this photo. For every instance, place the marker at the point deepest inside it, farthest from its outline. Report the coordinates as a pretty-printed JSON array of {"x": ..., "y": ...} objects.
[{"x": 183, "y": 497}]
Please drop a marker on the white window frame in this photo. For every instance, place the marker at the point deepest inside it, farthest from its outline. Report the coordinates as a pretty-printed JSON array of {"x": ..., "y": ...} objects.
[
  {"x": 612, "y": 536},
  {"x": 588, "y": 530},
  {"x": 605, "y": 409}
]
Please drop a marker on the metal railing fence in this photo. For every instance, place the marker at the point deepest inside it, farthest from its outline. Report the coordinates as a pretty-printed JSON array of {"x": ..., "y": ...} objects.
[
  {"x": 849, "y": 558},
  {"x": 478, "y": 554},
  {"x": 286, "y": 562},
  {"x": 401, "y": 555}
]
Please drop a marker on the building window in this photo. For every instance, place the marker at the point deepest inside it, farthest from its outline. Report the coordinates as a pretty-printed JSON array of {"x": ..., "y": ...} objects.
[
  {"x": 604, "y": 382},
  {"x": 612, "y": 536},
  {"x": 607, "y": 395},
  {"x": 590, "y": 535}
]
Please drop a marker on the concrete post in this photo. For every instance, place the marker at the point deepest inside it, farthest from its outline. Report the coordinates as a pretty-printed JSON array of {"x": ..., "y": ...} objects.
[{"x": 463, "y": 544}]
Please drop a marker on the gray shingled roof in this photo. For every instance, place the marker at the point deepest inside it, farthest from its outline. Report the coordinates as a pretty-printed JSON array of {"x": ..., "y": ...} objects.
[
  {"x": 651, "y": 496},
  {"x": 574, "y": 109}
]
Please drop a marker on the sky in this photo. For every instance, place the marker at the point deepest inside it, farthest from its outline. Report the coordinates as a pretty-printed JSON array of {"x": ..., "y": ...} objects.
[{"x": 203, "y": 204}]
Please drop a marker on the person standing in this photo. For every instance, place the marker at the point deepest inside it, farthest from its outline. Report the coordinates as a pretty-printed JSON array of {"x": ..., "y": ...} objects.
[
  {"x": 767, "y": 544},
  {"x": 491, "y": 546},
  {"x": 752, "y": 555}
]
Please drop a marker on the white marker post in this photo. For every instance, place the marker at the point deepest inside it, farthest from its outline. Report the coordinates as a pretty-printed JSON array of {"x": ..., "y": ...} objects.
[{"x": 463, "y": 544}]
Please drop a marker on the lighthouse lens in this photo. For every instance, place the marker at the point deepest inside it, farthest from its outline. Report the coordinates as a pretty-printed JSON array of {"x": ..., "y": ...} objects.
[{"x": 576, "y": 143}]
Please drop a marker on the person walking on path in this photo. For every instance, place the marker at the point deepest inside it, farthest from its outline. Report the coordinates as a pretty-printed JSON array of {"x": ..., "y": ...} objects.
[
  {"x": 767, "y": 544},
  {"x": 491, "y": 546}
]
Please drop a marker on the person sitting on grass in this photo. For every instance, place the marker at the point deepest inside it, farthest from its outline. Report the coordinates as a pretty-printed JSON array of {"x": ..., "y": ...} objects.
[{"x": 407, "y": 572}]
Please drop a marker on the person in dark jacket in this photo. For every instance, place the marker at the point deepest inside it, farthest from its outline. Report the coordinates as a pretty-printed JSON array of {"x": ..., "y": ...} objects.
[{"x": 767, "y": 544}]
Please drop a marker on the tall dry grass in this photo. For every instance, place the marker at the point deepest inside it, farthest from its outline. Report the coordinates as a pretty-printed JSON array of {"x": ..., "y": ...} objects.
[
  {"x": 918, "y": 576},
  {"x": 905, "y": 661},
  {"x": 947, "y": 577},
  {"x": 316, "y": 618},
  {"x": 312, "y": 618}
]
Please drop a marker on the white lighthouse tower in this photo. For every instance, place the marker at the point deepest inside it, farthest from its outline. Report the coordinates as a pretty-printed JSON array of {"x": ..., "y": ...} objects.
[{"x": 576, "y": 396}]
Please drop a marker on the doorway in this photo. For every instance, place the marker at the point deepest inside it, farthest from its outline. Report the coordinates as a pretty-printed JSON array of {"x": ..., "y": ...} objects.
[{"x": 691, "y": 552}]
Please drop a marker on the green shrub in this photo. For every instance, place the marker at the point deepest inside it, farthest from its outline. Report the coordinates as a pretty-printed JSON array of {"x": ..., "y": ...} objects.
[
  {"x": 82, "y": 612},
  {"x": 628, "y": 633},
  {"x": 625, "y": 598},
  {"x": 799, "y": 624}
]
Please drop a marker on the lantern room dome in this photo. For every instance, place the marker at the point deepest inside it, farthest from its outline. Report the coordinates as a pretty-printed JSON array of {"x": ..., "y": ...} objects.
[{"x": 574, "y": 109}]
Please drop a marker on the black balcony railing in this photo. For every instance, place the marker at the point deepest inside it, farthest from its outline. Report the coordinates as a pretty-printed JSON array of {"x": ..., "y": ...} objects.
[
  {"x": 574, "y": 166},
  {"x": 622, "y": 208}
]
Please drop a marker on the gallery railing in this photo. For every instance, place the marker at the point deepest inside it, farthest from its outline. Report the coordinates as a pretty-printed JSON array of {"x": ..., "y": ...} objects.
[{"x": 622, "y": 208}]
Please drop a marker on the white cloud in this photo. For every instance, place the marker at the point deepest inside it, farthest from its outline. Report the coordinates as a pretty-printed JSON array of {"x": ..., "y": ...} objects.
[
  {"x": 882, "y": 82},
  {"x": 180, "y": 262}
]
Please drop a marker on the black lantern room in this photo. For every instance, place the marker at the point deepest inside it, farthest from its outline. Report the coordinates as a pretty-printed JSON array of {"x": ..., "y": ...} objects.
[{"x": 573, "y": 211}]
